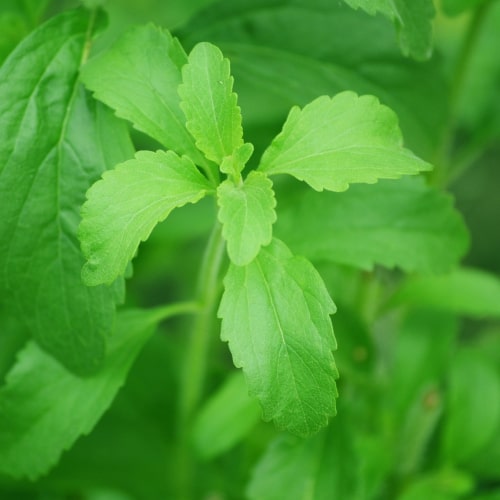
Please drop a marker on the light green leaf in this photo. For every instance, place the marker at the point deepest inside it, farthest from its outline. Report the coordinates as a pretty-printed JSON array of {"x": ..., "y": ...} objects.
[
  {"x": 333, "y": 142},
  {"x": 44, "y": 408},
  {"x": 226, "y": 418},
  {"x": 468, "y": 292},
  {"x": 209, "y": 103},
  {"x": 400, "y": 223},
  {"x": 138, "y": 77},
  {"x": 247, "y": 214},
  {"x": 275, "y": 316},
  {"x": 125, "y": 205},
  {"x": 46, "y": 165},
  {"x": 412, "y": 19},
  {"x": 323, "y": 467}
]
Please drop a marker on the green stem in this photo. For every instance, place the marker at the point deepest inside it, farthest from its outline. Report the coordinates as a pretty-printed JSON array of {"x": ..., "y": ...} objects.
[
  {"x": 442, "y": 158},
  {"x": 176, "y": 309},
  {"x": 195, "y": 363}
]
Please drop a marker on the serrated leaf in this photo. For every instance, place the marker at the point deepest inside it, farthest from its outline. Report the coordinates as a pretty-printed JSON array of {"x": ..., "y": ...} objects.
[
  {"x": 275, "y": 316},
  {"x": 125, "y": 205},
  {"x": 143, "y": 89},
  {"x": 46, "y": 165},
  {"x": 226, "y": 418},
  {"x": 412, "y": 19},
  {"x": 400, "y": 223},
  {"x": 247, "y": 214},
  {"x": 323, "y": 467},
  {"x": 44, "y": 408},
  {"x": 334, "y": 142},
  {"x": 465, "y": 291},
  {"x": 209, "y": 103}
]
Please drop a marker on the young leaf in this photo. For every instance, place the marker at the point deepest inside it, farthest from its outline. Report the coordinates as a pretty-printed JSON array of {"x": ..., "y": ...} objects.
[
  {"x": 412, "y": 20},
  {"x": 143, "y": 89},
  {"x": 43, "y": 415},
  {"x": 209, "y": 103},
  {"x": 333, "y": 142},
  {"x": 247, "y": 214},
  {"x": 404, "y": 223},
  {"x": 46, "y": 165},
  {"x": 125, "y": 205},
  {"x": 275, "y": 316}
]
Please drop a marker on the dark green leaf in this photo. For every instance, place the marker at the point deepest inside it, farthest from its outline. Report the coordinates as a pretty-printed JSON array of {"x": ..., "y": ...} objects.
[
  {"x": 46, "y": 165},
  {"x": 125, "y": 205},
  {"x": 412, "y": 19},
  {"x": 403, "y": 223},
  {"x": 44, "y": 408},
  {"x": 275, "y": 316}
]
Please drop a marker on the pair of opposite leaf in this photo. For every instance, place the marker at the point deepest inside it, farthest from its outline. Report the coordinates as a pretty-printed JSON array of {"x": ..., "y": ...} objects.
[{"x": 275, "y": 309}]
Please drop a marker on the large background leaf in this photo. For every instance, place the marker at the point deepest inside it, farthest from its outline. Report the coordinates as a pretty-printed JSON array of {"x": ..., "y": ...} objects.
[
  {"x": 400, "y": 223},
  {"x": 412, "y": 20},
  {"x": 46, "y": 165},
  {"x": 43, "y": 415}
]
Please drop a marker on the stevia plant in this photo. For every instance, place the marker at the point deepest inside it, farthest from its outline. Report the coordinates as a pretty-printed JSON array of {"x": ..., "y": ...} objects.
[{"x": 290, "y": 222}]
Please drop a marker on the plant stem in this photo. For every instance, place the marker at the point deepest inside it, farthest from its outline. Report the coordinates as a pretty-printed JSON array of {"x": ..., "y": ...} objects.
[
  {"x": 442, "y": 157},
  {"x": 195, "y": 363}
]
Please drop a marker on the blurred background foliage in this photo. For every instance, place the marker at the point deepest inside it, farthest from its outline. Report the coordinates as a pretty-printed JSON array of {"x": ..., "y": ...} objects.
[{"x": 419, "y": 412}]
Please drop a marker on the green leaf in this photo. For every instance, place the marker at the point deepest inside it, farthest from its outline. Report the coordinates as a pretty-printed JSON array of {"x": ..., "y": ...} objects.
[
  {"x": 333, "y": 142},
  {"x": 247, "y": 214},
  {"x": 275, "y": 316},
  {"x": 46, "y": 165},
  {"x": 125, "y": 205},
  {"x": 468, "y": 292},
  {"x": 413, "y": 21},
  {"x": 44, "y": 408},
  {"x": 404, "y": 223},
  {"x": 226, "y": 418},
  {"x": 321, "y": 468},
  {"x": 473, "y": 406},
  {"x": 143, "y": 89},
  {"x": 209, "y": 103}
]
